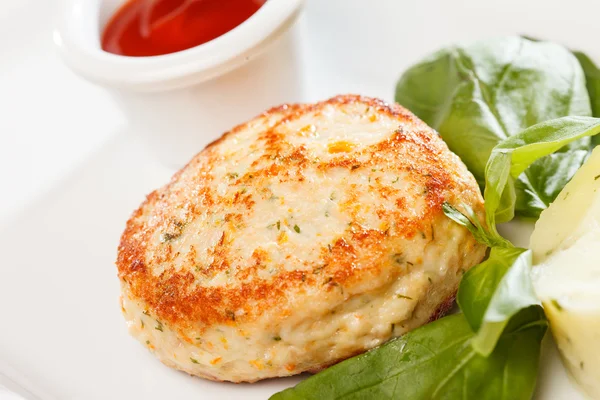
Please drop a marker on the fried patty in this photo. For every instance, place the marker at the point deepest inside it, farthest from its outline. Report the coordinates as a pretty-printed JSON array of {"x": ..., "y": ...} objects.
[{"x": 309, "y": 234}]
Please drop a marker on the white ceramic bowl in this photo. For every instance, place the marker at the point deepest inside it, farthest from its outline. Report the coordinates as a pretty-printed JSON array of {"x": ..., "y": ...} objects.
[{"x": 179, "y": 102}]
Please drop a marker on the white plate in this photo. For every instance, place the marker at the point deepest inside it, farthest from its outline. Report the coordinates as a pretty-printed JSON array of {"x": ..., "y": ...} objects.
[{"x": 71, "y": 175}]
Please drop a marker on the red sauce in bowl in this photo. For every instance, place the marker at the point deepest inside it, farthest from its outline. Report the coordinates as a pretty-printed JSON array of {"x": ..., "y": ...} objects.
[{"x": 155, "y": 27}]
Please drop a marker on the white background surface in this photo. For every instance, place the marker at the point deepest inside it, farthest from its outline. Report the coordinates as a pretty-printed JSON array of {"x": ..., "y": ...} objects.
[{"x": 70, "y": 175}]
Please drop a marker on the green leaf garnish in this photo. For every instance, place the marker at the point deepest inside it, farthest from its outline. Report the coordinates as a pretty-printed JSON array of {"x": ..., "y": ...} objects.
[
  {"x": 592, "y": 80},
  {"x": 514, "y": 155},
  {"x": 477, "y": 95},
  {"x": 493, "y": 291}
]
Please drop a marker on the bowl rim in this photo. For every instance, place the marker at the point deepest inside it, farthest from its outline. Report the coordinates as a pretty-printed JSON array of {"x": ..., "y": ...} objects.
[{"x": 77, "y": 38}]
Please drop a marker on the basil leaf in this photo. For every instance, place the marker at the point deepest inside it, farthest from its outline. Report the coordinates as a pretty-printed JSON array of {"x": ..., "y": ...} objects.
[
  {"x": 545, "y": 179},
  {"x": 436, "y": 362},
  {"x": 592, "y": 79},
  {"x": 514, "y": 155},
  {"x": 495, "y": 290},
  {"x": 479, "y": 94}
]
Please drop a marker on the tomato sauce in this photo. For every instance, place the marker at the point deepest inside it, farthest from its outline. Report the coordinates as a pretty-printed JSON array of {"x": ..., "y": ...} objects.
[{"x": 154, "y": 27}]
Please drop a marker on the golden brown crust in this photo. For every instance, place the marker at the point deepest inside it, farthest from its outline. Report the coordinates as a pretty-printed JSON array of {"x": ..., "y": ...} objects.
[{"x": 175, "y": 296}]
